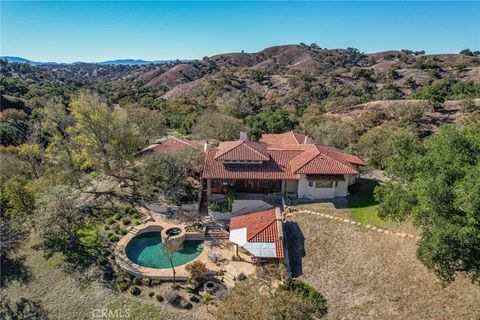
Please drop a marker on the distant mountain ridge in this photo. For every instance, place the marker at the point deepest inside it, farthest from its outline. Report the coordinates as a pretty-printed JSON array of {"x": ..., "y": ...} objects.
[{"x": 129, "y": 62}]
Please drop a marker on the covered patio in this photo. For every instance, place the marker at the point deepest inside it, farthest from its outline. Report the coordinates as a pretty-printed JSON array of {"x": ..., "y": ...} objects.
[{"x": 223, "y": 186}]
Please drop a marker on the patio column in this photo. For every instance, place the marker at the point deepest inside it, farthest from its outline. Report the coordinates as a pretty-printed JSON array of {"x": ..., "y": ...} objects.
[
  {"x": 236, "y": 250},
  {"x": 209, "y": 187}
]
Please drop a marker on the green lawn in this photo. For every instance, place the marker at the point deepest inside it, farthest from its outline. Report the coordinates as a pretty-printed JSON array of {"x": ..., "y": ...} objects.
[{"x": 362, "y": 204}]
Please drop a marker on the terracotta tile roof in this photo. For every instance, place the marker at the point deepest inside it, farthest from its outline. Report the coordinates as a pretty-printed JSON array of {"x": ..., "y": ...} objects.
[
  {"x": 290, "y": 138},
  {"x": 274, "y": 169},
  {"x": 316, "y": 162},
  {"x": 172, "y": 144},
  {"x": 261, "y": 227},
  {"x": 338, "y": 154},
  {"x": 241, "y": 151},
  {"x": 283, "y": 158}
]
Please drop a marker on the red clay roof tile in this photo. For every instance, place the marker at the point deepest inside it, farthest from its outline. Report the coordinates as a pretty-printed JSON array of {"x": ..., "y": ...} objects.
[
  {"x": 261, "y": 227},
  {"x": 283, "y": 157}
]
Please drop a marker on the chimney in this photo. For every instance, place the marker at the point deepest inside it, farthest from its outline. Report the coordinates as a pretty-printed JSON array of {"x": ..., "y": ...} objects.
[
  {"x": 205, "y": 146},
  {"x": 243, "y": 136},
  {"x": 305, "y": 141}
]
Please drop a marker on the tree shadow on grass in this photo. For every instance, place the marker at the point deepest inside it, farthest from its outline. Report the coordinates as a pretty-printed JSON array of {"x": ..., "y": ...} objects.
[
  {"x": 14, "y": 269},
  {"x": 295, "y": 246},
  {"x": 77, "y": 259},
  {"x": 361, "y": 193}
]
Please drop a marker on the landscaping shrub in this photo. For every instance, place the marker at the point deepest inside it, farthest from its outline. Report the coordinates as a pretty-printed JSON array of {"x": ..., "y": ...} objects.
[
  {"x": 134, "y": 291},
  {"x": 151, "y": 294},
  {"x": 136, "y": 215},
  {"x": 123, "y": 286},
  {"x": 197, "y": 270},
  {"x": 171, "y": 295},
  {"x": 125, "y": 220},
  {"x": 159, "y": 298},
  {"x": 117, "y": 216},
  {"x": 110, "y": 221},
  {"x": 106, "y": 227},
  {"x": 112, "y": 237},
  {"x": 129, "y": 210},
  {"x": 155, "y": 282},
  {"x": 105, "y": 252},
  {"x": 136, "y": 222},
  {"x": 218, "y": 206},
  {"x": 230, "y": 200},
  {"x": 308, "y": 293},
  {"x": 146, "y": 281},
  {"x": 137, "y": 281},
  {"x": 122, "y": 231}
]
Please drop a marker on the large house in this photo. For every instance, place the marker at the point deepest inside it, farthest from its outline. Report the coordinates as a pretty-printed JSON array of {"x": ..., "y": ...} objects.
[{"x": 288, "y": 164}]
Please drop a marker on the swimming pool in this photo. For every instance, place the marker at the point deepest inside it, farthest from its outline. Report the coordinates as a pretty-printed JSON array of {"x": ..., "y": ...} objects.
[{"x": 147, "y": 250}]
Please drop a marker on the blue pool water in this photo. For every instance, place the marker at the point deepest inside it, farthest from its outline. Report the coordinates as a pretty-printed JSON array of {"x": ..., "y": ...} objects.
[{"x": 147, "y": 250}]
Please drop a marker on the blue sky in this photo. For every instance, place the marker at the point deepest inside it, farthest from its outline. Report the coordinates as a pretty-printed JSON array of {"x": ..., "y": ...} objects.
[{"x": 95, "y": 31}]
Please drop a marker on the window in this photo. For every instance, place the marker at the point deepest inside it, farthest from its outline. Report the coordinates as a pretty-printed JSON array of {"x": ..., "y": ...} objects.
[
  {"x": 310, "y": 184},
  {"x": 266, "y": 186},
  {"x": 276, "y": 186},
  {"x": 323, "y": 184},
  {"x": 216, "y": 186}
]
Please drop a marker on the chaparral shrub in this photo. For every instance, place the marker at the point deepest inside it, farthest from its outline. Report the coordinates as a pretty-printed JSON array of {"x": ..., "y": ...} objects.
[{"x": 308, "y": 293}]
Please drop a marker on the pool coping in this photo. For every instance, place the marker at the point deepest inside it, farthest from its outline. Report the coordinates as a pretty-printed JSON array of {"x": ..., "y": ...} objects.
[{"x": 131, "y": 267}]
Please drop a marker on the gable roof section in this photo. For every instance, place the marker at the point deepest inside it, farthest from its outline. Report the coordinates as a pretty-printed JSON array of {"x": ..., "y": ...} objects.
[
  {"x": 323, "y": 164},
  {"x": 261, "y": 227},
  {"x": 241, "y": 151},
  {"x": 338, "y": 154},
  {"x": 290, "y": 138},
  {"x": 314, "y": 160},
  {"x": 277, "y": 168},
  {"x": 254, "y": 222}
]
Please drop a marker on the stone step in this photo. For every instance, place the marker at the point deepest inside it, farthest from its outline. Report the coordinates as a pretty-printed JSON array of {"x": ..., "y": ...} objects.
[{"x": 216, "y": 237}]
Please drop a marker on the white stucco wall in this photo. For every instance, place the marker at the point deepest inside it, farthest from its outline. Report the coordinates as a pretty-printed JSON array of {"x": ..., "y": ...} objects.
[
  {"x": 341, "y": 190},
  {"x": 305, "y": 191},
  {"x": 238, "y": 236}
]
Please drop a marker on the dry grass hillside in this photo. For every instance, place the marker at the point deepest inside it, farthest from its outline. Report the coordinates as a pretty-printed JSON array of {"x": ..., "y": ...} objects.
[
  {"x": 369, "y": 275},
  {"x": 388, "y": 114}
]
